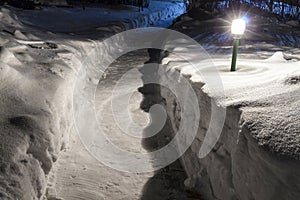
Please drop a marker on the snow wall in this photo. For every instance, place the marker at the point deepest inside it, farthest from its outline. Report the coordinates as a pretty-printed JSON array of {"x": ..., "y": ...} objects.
[
  {"x": 243, "y": 164},
  {"x": 257, "y": 154},
  {"x": 237, "y": 167},
  {"x": 36, "y": 99}
]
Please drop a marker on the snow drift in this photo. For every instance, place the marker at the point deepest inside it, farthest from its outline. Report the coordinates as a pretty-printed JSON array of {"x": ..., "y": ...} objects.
[
  {"x": 35, "y": 110},
  {"x": 257, "y": 155}
]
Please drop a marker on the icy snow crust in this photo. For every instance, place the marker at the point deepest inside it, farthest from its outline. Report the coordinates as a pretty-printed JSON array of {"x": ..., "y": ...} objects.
[{"x": 38, "y": 68}]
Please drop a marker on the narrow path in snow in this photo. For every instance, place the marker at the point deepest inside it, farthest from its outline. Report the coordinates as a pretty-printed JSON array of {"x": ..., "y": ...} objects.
[{"x": 80, "y": 176}]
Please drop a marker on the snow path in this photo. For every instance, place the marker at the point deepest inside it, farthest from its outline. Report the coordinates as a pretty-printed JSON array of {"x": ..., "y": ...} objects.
[
  {"x": 80, "y": 176},
  {"x": 76, "y": 174}
]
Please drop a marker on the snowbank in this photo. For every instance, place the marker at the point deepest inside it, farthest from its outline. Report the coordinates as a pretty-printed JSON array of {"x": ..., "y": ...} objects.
[
  {"x": 38, "y": 70},
  {"x": 257, "y": 155},
  {"x": 35, "y": 112}
]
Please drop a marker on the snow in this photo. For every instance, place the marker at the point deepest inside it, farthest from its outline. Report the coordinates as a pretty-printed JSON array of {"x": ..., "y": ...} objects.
[
  {"x": 260, "y": 132},
  {"x": 255, "y": 82},
  {"x": 78, "y": 19},
  {"x": 258, "y": 148},
  {"x": 42, "y": 50},
  {"x": 40, "y": 55}
]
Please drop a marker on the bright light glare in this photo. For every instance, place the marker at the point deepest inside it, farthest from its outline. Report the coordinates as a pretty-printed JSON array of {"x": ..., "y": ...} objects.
[{"x": 238, "y": 26}]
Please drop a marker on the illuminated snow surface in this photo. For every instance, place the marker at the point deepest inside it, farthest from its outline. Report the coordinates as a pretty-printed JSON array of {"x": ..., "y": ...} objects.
[
  {"x": 40, "y": 55},
  {"x": 257, "y": 152},
  {"x": 269, "y": 85},
  {"x": 259, "y": 143}
]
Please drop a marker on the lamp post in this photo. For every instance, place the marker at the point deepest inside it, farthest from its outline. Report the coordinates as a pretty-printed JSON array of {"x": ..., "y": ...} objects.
[{"x": 238, "y": 27}]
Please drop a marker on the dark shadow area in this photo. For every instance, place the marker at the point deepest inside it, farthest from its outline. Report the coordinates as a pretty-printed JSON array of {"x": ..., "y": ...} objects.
[{"x": 168, "y": 182}]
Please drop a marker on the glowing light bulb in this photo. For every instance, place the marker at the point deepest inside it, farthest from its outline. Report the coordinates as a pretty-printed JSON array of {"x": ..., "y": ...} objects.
[{"x": 238, "y": 27}]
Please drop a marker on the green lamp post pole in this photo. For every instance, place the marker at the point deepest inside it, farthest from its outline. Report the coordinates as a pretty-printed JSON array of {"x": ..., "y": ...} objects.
[
  {"x": 234, "y": 54},
  {"x": 238, "y": 27}
]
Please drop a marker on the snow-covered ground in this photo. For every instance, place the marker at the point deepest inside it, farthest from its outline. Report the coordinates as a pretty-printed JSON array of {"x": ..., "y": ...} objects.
[
  {"x": 102, "y": 19},
  {"x": 41, "y": 52},
  {"x": 249, "y": 118}
]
